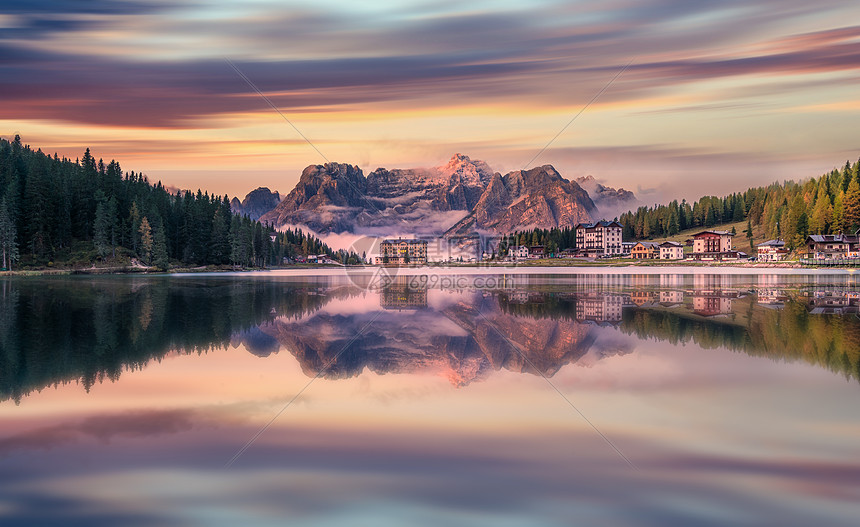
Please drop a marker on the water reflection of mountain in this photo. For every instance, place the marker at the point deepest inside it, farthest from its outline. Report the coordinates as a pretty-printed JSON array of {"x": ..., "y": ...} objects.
[
  {"x": 58, "y": 331},
  {"x": 463, "y": 341}
]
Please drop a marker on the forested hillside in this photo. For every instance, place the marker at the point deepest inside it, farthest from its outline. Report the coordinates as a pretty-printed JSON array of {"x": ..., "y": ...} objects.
[
  {"x": 828, "y": 204},
  {"x": 55, "y": 211},
  {"x": 825, "y": 205}
]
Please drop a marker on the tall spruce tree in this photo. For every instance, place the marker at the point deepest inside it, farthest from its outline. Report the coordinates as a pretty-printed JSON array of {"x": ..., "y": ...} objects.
[{"x": 8, "y": 237}]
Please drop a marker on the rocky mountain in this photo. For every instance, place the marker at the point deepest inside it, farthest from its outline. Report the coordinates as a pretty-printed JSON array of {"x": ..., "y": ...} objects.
[
  {"x": 463, "y": 193},
  {"x": 607, "y": 199},
  {"x": 256, "y": 203},
  {"x": 523, "y": 199}
]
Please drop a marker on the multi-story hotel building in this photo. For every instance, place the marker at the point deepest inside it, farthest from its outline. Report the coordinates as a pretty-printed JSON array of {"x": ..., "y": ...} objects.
[
  {"x": 402, "y": 252},
  {"x": 598, "y": 239},
  {"x": 713, "y": 245}
]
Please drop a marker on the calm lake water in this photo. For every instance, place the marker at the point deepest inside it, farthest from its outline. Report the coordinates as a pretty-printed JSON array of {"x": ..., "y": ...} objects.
[{"x": 576, "y": 399}]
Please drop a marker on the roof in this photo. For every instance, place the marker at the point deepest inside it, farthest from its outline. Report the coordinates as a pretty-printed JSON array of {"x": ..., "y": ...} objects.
[
  {"x": 718, "y": 233},
  {"x": 411, "y": 240},
  {"x": 647, "y": 245},
  {"x": 772, "y": 243},
  {"x": 670, "y": 244},
  {"x": 601, "y": 223},
  {"x": 832, "y": 238}
]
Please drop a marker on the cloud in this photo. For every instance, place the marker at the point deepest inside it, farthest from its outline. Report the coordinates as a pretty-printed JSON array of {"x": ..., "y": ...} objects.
[{"x": 307, "y": 59}]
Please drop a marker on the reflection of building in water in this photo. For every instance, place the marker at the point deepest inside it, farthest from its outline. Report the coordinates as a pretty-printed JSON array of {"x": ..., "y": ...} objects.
[
  {"x": 712, "y": 303},
  {"x": 712, "y": 282},
  {"x": 835, "y": 302},
  {"x": 671, "y": 298},
  {"x": 771, "y": 298},
  {"x": 598, "y": 308},
  {"x": 402, "y": 296},
  {"x": 770, "y": 281},
  {"x": 671, "y": 280},
  {"x": 641, "y": 298},
  {"x": 525, "y": 297}
]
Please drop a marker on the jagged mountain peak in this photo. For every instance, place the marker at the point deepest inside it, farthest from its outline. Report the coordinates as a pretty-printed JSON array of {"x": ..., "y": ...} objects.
[
  {"x": 610, "y": 201},
  {"x": 461, "y": 168},
  {"x": 256, "y": 203},
  {"x": 464, "y": 193}
]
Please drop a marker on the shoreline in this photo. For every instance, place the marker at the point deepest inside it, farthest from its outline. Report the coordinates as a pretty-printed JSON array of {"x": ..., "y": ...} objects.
[{"x": 690, "y": 268}]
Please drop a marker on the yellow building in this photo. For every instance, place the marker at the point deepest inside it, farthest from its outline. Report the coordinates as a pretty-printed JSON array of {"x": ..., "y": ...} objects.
[{"x": 402, "y": 252}]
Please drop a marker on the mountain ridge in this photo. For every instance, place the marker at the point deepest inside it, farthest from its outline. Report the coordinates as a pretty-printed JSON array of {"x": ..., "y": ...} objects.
[{"x": 461, "y": 198}]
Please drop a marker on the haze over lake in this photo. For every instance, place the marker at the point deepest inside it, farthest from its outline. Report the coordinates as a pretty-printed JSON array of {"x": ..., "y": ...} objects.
[{"x": 458, "y": 399}]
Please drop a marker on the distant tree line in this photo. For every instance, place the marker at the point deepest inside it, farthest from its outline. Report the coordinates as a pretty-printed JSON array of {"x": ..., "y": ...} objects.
[
  {"x": 828, "y": 204},
  {"x": 78, "y": 212}
]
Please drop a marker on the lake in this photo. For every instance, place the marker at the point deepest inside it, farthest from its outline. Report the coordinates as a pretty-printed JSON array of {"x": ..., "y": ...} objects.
[{"x": 431, "y": 398}]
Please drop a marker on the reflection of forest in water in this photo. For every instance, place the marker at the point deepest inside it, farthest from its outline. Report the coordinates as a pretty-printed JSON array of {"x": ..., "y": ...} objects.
[{"x": 57, "y": 331}]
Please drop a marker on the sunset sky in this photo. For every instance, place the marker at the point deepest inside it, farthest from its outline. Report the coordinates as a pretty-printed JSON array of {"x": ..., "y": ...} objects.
[{"x": 718, "y": 95}]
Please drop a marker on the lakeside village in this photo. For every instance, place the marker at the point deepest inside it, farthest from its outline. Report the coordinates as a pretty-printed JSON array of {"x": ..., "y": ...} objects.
[{"x": 603, "y": 240}]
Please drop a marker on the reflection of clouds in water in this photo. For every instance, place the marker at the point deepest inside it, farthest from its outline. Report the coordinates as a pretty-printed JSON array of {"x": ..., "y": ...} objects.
[
  {"x": 104, "y": 428},
  {"x": 328, "y": 476}
]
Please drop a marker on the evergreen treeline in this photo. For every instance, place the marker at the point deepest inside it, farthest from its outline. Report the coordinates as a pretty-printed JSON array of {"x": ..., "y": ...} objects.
[
  {"x": 54, "y": 209},
  {"x": 828, "y": 204}
]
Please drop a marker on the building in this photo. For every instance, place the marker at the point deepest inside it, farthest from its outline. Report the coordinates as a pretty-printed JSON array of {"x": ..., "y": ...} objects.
[
  {"x": 536, "y": 251},
  {"x": 671, "y": 251},
  {"x": 598, "y": 239},
  {"x": 831, "y": 246},
  {"x": 645, "y": 251},
  {"x": 520, "y": 252},
  {"x": 319, "y": 258},
  {"x": 402, "y": 252},
  {"x": 626, "y": 247},
  {"x": 713, "y": 245},
  {"x": 771, "y": 251}
]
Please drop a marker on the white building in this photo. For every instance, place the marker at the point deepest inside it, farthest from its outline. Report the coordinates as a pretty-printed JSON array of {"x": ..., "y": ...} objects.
[
  {"x": 597, "y": 239},
  {"x": 713, "y": 245},
  {"x": 671, "y": 251},
  {"x": 771, "y": 251},
  {"x": 520, "y": 252}
]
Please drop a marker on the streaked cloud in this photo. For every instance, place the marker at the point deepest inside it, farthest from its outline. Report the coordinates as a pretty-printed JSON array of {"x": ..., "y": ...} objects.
[{"x": 356, "y": 75}]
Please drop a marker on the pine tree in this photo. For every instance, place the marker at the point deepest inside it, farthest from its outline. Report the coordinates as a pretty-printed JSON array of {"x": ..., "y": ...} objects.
[
  {"x": 159, "y": 250},
  {"x": 838, "y": 213},
  {"x": 102, "y": 226},
  {"x": 749, "y": 232},
  {"x": 134, "y": 224},
  {"x": 822, "y": 212},
  {"x": 851, "y": 205},
  {"x": 145, "y": 241},
  {"x": 8, "y": 237}
]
